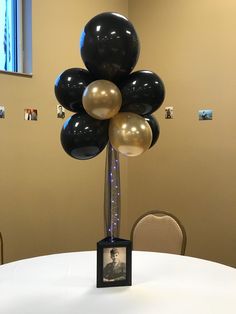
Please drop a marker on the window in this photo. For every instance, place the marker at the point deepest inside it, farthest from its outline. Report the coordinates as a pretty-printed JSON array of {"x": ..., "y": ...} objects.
[{"x": 15, "y": 36}]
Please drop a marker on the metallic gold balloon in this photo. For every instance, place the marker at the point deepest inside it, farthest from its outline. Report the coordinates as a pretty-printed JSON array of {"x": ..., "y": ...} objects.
[
  {"x": 130, "y": 134},
  {"x": 102, "y": 99}
]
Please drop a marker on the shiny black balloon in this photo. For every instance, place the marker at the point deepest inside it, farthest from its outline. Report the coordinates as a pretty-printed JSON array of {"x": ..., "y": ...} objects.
[
  {"x": 84, "y": 137},
  {"x": 109, "y": 46},
  {"x": 69, "y": 88},
  {"x": 143, "y": 92},
  {"x": 155, "y": 128}
]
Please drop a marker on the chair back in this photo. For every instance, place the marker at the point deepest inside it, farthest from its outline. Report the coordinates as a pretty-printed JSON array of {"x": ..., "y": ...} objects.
[
  {"x": 159, "y": 231},
  {"x": 1, "y": 249}
]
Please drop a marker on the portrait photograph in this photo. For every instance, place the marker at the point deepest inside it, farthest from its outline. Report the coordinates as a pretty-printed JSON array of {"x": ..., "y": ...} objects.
[
  {"x": 169, "y": 112},
  {"x": 2, "y": 112},
  {"x": 114, "y": 263},
  {"x": 205, "y": 114},
  {"x": 60, "y": 112},
  {"x": 31, "y": 114}
]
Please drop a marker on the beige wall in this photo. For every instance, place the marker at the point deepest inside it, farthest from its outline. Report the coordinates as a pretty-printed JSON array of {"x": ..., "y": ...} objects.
[
  {"x": 53, "y": 203},
  {"x": 191, "y": 172},
  {"x": 49, "y": 201}
]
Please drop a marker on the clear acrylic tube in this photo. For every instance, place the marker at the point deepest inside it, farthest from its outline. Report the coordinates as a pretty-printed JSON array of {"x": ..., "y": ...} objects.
[{"x": 112, "y": 193}]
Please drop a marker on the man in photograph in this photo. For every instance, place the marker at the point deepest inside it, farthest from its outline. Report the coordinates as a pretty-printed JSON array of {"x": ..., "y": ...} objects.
[
  {"x": 169, "y": 112},
  {"x": 34, "y": 114},
  {"x": 116, "y": 270},
  {"x": 60, "y": 112},
  {"x": 31, "y": 114}
]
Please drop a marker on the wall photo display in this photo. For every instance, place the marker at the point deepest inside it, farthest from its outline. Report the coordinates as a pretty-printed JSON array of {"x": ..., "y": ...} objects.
[
  {"x": 169, "y": 112},
  {"x": 31, "y": 114},
  {"x": 2, "y": 112},
  {"x": 205, "y": 114},
  {"x": 60, "y": 112}
]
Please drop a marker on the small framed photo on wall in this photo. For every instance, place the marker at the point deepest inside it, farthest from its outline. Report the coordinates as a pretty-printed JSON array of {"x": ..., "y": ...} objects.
[
  {"x": 205, "y": 114},
  {"x": 2, "y": 112},
  {"x": 60, "y": 112},
  {"x": 31, "y": 114},
  {"x": 114, "y": 262},
  {"x": 169, "y": 112}
]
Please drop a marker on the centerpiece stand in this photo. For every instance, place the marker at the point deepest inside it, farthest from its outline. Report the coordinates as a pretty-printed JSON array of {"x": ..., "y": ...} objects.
[{"x": 113, "y": 253}]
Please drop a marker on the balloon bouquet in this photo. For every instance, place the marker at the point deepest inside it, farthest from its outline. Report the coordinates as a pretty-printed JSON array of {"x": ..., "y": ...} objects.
[{"x": 112, "y": 107}]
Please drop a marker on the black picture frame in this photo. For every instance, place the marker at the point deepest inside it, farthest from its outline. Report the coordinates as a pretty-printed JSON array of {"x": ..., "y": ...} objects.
[{"x": 112, "y": 273}]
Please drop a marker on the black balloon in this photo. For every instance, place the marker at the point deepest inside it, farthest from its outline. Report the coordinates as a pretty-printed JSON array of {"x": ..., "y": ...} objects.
[
  {"x": 109, "y": 46},
  {"x": 84, "y": 137},
  {"x": 155, "y": 128},
  {"x": 142, "y": 92},
  {"x": 69, "y": 88}
]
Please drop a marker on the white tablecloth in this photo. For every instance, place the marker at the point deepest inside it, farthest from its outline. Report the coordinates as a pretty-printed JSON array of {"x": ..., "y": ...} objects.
[{"x": 162, "y": 284}]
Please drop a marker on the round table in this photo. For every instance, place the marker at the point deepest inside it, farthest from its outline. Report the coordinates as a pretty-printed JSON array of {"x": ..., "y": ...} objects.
[{"x": 162, "y": 284}]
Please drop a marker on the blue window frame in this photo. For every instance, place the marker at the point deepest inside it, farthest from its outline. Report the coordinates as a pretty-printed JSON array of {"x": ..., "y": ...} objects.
[{"x": 15, "y": 35}]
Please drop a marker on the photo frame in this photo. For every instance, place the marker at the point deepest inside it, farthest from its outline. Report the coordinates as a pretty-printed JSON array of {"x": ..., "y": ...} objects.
[
  {"x": 30, "y": 114},
  {"x": 60, "y": 112},
  {"x": 114, "y": 259},
  {"x": 2, "y": 112},
  {"x": 169, "y": 112},
  {"x": 205, "y": 114}
]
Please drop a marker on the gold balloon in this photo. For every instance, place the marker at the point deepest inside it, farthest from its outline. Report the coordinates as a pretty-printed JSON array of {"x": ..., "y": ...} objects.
[
  {"x": 130, "y": 134},
  {"x": 102, "y": 99}
]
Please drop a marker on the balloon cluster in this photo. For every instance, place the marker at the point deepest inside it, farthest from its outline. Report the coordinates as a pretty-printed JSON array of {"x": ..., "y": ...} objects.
[{"x": 110, "y": 103}]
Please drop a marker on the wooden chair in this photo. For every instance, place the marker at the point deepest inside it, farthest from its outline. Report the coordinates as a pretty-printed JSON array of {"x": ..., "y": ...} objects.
[{"x": 159, "y": 231}]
